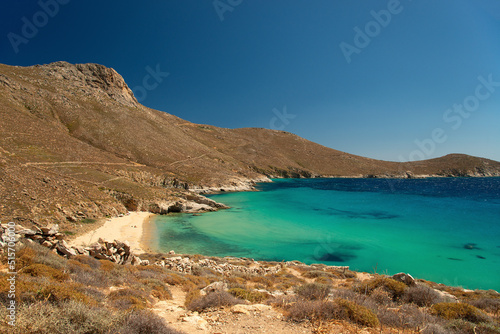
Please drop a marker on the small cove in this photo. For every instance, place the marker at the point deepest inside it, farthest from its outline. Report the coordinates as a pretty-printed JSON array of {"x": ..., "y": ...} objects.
[{"x": 441, "y": 229}]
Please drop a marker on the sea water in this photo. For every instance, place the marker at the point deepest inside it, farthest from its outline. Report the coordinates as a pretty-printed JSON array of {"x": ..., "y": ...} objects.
[{"x": 445, "y": 230}]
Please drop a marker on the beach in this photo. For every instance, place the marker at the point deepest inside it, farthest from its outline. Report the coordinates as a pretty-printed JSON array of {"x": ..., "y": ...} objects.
[{"x": 131, "y": 228}]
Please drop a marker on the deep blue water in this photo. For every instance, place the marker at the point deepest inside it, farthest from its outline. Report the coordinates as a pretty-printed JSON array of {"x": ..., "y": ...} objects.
[{"x": 444, "y": 229}]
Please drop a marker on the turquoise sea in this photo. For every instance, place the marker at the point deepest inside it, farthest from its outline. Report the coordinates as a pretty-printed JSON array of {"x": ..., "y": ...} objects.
[{"x": 445, "y": 230}]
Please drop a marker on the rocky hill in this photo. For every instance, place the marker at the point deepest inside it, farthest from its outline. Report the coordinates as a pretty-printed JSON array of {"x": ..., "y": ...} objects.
[{"x": 75, "y": 144}]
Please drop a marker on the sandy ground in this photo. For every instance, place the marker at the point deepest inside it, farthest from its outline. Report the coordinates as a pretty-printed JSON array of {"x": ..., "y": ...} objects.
[{"x": 130, "y": 227}]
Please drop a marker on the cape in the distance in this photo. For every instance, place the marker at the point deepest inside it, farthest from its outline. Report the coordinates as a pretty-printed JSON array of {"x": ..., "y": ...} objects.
[{"x": 75, "y": 144}]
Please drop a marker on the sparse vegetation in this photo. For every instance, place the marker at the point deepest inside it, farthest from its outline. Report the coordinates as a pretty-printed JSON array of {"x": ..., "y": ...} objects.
[
  {"x": 339, "y": 309},
  {"x": 99, "y": 296}
]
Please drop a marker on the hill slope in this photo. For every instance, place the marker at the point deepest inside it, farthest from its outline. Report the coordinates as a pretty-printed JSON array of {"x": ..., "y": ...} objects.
[{"x": 75, "y": 144}]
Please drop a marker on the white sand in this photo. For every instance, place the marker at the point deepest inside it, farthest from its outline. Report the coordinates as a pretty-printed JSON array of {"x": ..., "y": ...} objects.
[{"x": 129, "y": 227}]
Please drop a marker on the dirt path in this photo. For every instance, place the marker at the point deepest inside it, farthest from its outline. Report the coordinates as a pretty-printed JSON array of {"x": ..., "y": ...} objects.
[{"x": 245, "y": 319}]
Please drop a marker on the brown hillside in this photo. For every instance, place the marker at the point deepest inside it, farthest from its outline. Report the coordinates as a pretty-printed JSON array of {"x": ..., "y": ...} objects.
[{"x": 76, "y": 144}]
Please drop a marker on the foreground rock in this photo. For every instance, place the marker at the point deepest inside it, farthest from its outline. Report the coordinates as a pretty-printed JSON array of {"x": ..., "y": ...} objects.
[{"x": 50, "y": 237}]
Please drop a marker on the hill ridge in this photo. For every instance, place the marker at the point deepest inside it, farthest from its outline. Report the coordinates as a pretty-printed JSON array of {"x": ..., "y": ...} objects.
[{"x": 145, "y": 159}]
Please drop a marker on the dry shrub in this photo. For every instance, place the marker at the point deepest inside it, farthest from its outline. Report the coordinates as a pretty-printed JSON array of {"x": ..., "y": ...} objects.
[
  {"x": 341, "y": 273},
  {"x": 413, "y": 317},
  {"x": 194, "y": 282},
  {"x": 450, "y": 311},
  {"x": 107, "y": 266},
  {"x": 407, "y": 316},
  {"x": 487, "y": 304},
  {"x": 236, "y": 281},
  {"x": 313, "y": 291},
  {"x": 158, "y": 289},
  {"x": 78, "y": 266},
  {"x": 69, "y": 317},
  {"x": 204, "y": 272},
  {"x": 251, "y": 296},
  {"x": 145, "y": 322},
  {"x": 155, "y": 269},
  {"x": 173, "y": 279},
  {"x": 422, "y": 295},
  {"x": 434, "y": 329},
  {"x": 301, "y": 310},
  {"x": 62, "y": 292},
  {"x": 318, "y": 273},
  {"x": 323, "y": 280},
  {"x": 90, "y": 261},
  {"x": 25, "y": 257},
  {"x": 394, "y": 288},
  {"x": 126, "y": 299},
  {"x": 190, "y": 296},
  {"x": 42, "y": 270},
  {"x": 83, "y": 273},
  {"x": 340, "y": 309},
  {"x": 460, "y": 326},
  {"x": 93, "y": 293},
  {"x": 260, "y": 280},
  {"x": 34, "y": 289},
  {"x": 381, "y": 296},
  {"x": 47, "y": 257},
  {"x": 356, "y": 313},
  {"x": 283, "y": 280},
  {"x": 213, "y": 299}
]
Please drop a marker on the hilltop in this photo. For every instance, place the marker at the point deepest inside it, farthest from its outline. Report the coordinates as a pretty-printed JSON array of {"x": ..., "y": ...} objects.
[{"x": 76, "y": 145}]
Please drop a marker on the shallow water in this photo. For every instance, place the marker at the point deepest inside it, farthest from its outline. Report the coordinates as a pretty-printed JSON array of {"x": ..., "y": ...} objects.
[{"x": 444, "y": 230}]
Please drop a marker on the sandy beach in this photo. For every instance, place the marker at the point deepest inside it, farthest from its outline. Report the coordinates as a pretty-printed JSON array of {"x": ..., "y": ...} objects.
[{"x": 130, "y": 227}]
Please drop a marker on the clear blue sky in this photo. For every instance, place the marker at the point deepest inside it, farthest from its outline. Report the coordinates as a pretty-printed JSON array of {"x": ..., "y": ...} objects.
[{"x": 422, "y": 57}]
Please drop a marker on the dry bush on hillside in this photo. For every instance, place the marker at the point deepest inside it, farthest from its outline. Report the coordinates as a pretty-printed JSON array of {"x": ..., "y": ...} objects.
[
  {"x": 213, "y": 299},
  {"x": 491, "y": 305},
  {"x": 42, "y": 270},
  {"x": 422, "y": 295},
  {"x": 68, "y": 317},
  {"x": 126, "y": 299},
  {"x": 146, "y": 322},
  {"x": 251, "y": 296},
  {"x": 394, "y": 288},
  {"x": 463, "y": 311},
  {"x": 157, "y": 289},
  {"x": 339, "y": 309},
  {"x": 318, "y": 273},
  {"x": 313, "y": 291}
]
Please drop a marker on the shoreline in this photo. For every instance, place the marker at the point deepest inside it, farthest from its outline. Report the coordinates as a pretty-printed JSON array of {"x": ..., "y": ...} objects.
[
  {"x": 145, "y": 242},
  {"x": 129, "y": 228}
]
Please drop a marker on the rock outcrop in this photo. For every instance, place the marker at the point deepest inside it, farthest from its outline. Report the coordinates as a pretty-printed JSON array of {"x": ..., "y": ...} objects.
[
  {"x": 187, "y": 265},
  {"x": 115, "y": 251}
]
